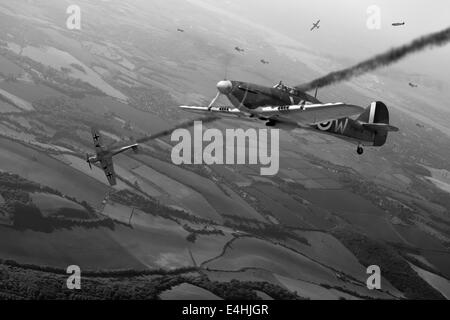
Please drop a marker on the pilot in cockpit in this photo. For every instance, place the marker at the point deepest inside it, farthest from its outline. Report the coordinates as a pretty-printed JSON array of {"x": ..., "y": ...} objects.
[
  {"x": 284, "y": 88},
  {"x": 281, "y": 86}
]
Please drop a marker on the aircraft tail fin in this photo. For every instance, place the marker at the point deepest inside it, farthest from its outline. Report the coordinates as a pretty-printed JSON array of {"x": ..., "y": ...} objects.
[
  {"x": 376, "y": 119},
  {"x": 377, "y": 112}
]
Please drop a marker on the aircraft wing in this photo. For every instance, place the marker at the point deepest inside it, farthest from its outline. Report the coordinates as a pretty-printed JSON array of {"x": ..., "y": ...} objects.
[
  {"x": 222, "y": 111},
  {"x": 108, "y": 168},
  {"x": 309, "y": 114},
  {"x": 315, "y": 25},
  {"x": 124, "y": 148},
  {"x": 98, "y": 140},
  {"x": 302, "y": 114}
]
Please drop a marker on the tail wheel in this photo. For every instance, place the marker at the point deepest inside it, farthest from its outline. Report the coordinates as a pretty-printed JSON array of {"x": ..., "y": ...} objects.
[{"x": 360, "y": 150}]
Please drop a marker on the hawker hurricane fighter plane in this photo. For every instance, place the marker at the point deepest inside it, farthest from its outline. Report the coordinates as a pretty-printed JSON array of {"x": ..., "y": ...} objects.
[{"x": 288, "y": 108}]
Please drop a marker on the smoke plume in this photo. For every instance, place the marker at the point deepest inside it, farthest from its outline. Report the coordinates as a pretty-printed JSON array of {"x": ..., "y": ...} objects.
[
  {"x": 393, "y": 55},
  {"x": 186, "y": 124}
]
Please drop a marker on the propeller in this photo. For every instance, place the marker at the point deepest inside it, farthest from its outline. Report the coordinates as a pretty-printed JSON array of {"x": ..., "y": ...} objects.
[
  {"x": 247, "y": 90},
  {"x": 88, "y": 160},
  {"x": 223, "y": 87},
  {"x": 214, "y": 100}
]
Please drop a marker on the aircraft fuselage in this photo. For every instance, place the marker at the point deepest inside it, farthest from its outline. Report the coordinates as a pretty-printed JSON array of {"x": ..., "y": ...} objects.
[
  {"x": 252, "y": 96},
  {"x": 99, "y": 156},
  {"x": 353, "y": 131}
]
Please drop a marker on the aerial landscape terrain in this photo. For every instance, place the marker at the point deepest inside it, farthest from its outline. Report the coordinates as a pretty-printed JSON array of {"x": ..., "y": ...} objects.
[{"x": 171, "y": 232}]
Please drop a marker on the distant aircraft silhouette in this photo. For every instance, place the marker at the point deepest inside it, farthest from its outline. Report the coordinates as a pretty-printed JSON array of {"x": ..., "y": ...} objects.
[
  {"x": 397, "y": 24},
  {"x": 315, "y": 25}
]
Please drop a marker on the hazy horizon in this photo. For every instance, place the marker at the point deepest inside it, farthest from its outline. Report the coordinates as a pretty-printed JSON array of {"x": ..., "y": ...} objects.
[{"x": 343, "y": 31}]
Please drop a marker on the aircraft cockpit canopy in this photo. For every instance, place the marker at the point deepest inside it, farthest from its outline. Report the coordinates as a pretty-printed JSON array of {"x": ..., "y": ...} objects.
[{"x": 285, "y": 88}]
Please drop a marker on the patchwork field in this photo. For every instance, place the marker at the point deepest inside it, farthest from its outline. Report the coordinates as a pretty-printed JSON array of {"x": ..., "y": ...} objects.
[
  {"x": 255, "y": 253},
  {"x": 187, "y": 291},
  {"x": 39, "y": 167},
  {"x": 62, "y": 248},
  {"x": 437, "y": 282},
  {"x": 51, "y": 204}
]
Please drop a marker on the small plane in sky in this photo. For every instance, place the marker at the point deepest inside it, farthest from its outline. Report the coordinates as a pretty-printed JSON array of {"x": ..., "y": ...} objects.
[
  {"x": 239, "y": 49},
  {"x": 264, "y": 61},
  {"x": 289, "y": 108},
  {"x": 412, "y": 85},
  {"x": 180, "y": 30},
  {"x": 398, "y": 24},
  {"x": 104, "y": 155},
  {"x": 315, "y": 25}
]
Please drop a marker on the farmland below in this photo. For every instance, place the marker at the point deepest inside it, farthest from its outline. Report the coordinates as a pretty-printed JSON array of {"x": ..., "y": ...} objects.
[{"x": 169, "y": 231}]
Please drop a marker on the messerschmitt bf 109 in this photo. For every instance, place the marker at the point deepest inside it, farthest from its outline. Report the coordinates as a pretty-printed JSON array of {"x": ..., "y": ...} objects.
[
  {"x": 288, "y": 108},
  {"x": 104, "y": 155}
]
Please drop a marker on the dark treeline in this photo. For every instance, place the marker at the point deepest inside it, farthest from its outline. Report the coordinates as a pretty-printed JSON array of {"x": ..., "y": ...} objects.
[
  {"x": 24, "y": 281},
  {"x": 395, "y": 269}
]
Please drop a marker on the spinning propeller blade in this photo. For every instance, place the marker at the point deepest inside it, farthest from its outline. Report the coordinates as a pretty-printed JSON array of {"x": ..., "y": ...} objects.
[{"x": 214, "y": 100}]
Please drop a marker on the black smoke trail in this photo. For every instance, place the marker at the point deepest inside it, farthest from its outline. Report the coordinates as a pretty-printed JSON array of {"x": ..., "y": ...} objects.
[
  {"x": 436, "y": 39},
  {"x": 186, "y": 124}
]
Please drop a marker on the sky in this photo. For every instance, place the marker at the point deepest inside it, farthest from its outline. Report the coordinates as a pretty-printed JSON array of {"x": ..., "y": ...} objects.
[{"x": 344, "y": 32}]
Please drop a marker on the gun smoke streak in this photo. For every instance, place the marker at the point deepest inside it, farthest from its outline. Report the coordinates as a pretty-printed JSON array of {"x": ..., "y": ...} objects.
[
  {"x": 183, "y": 125},
  {"x": 432, "y": 40}
]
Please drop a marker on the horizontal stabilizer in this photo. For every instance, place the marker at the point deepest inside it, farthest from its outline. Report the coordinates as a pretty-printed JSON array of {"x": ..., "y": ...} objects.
[{"x": 380, "y": 127}]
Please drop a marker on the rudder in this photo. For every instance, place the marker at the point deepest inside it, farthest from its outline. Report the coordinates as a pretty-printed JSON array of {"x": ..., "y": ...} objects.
[{"x": 377, "y": 112}]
